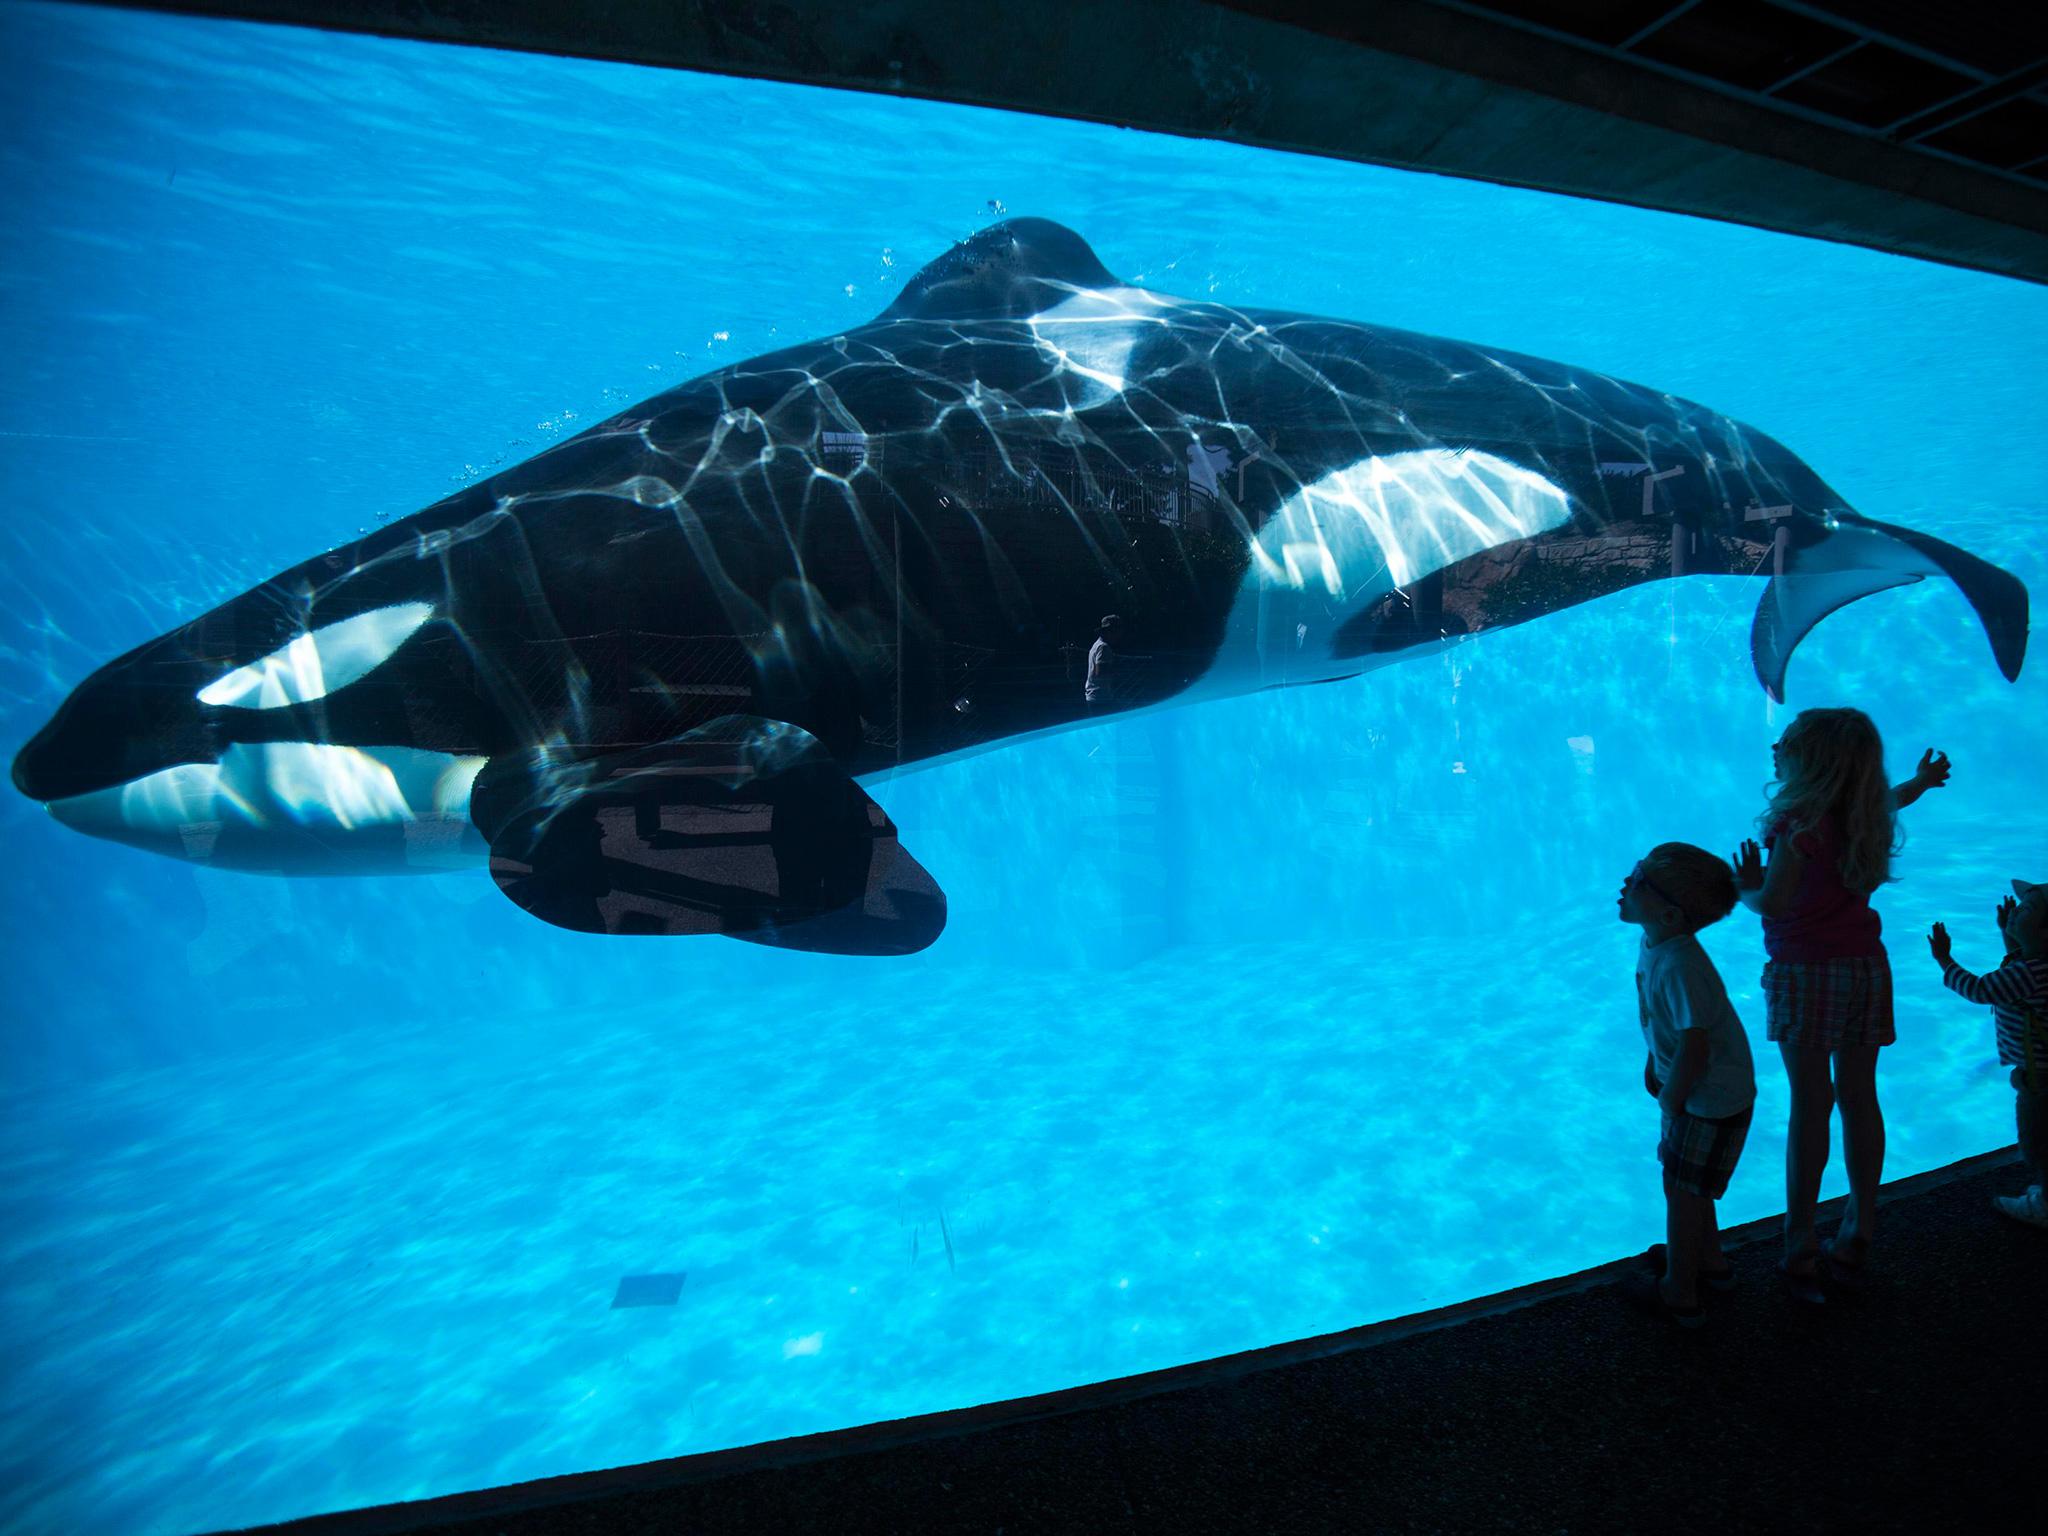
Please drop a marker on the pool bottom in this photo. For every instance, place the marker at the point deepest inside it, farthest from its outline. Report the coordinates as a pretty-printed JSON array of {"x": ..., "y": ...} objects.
[
  {"x": 1430, "y": 1422},
  {"x": 384, "y": 1268}
]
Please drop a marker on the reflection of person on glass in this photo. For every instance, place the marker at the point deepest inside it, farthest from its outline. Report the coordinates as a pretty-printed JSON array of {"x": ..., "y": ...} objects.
[
  {"x": 1102, "y": 663},
  {"x": 579, "y": 875},
  {"x": 820, "y": 839},
  {"x": 1831, "y": 829}
]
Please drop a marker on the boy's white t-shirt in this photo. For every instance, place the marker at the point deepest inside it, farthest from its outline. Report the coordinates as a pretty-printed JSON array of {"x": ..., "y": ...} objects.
[{"x": 1677, "y": 988}]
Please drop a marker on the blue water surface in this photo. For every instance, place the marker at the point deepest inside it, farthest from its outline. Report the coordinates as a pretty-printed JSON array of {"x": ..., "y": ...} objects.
[{"x": 1253, "y": 1021}]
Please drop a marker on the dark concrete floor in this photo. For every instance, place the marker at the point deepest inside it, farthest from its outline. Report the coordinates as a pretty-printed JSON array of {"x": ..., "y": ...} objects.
[{"x": 1916, "y": 1406}]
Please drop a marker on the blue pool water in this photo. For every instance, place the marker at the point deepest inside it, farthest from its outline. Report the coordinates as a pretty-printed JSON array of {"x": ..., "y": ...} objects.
[{"x": 1252, "y": 1021}]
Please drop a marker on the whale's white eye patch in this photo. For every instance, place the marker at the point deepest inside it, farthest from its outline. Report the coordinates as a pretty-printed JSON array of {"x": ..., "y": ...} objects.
[{"x": 313, "y": 665}]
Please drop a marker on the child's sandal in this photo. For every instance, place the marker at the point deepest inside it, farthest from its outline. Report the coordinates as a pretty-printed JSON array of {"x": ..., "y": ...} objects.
[
  {"x": 1642, "y": 1292},
  {"x": 1722, "y": 1280},
  {"x": 1850, "y": 1277},
  {"x": 1804, "y": 1289}
]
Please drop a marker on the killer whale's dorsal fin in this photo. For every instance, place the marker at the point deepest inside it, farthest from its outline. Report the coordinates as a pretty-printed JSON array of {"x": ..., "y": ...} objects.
[{"x": 1009, "y": 271}]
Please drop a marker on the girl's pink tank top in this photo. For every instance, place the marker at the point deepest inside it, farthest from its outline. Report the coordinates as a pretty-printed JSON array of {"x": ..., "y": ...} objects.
[{"x": 1827, "y": 920}]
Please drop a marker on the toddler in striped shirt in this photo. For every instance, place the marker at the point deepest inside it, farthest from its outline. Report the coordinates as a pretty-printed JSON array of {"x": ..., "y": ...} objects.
[{"x": 2018, "y": 994}]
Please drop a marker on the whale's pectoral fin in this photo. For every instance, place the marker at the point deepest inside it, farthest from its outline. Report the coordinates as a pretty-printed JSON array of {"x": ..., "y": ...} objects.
[
  {"x": 746, "y": 827},
  {"x": 1864, "y": 556}
]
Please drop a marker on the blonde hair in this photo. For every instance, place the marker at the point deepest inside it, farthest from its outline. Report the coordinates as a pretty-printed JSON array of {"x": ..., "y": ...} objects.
[
  {"x": 1831, "y": 762},
  {"x": 1700, "y": 882}
]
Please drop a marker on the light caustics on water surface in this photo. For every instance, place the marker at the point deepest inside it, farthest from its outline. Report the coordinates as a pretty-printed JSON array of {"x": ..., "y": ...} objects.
[{"x": 650, "y": 665}]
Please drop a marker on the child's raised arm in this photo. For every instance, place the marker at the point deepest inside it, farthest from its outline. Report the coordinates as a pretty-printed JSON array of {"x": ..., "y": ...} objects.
[
  {"x": 2010, "y": 984},
  {"x": 1931, "y": 774}
]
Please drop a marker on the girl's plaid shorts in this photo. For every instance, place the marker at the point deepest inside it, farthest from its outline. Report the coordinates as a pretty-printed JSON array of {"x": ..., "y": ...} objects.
[{"x": 1823, "y": 1004}]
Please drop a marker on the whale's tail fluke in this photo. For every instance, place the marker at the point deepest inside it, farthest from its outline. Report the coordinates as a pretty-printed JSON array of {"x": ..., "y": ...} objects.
[
  {"x": 1792, "y": 605},
  {"x": 1862, "y": 556},
  {"x": 1999, "y": 597}
]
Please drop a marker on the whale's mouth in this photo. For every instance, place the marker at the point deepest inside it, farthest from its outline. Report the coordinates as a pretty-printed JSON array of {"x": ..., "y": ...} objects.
[
  {"x": 1859, "y": 556},
  {"x": 169, "y": 709}
]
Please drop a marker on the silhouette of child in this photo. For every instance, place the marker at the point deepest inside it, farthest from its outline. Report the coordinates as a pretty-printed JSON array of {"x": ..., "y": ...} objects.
[
  {"x": 1831, "y": 828},
  {"x": 2018, "y": 994},
  {"x": 1698, "y": 1069}
]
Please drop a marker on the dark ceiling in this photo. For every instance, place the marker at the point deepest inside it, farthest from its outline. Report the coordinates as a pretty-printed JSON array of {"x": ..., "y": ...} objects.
[{"x": 1967, "y": 83}]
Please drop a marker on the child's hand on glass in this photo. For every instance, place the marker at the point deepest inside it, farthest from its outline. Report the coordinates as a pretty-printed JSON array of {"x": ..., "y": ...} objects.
[
  {"x": 1933, "y": 770},
  {"x": 2006, "y": 909},
  {"x": 1749, "y": 866},
  {"x": 1938, "y": 943}
]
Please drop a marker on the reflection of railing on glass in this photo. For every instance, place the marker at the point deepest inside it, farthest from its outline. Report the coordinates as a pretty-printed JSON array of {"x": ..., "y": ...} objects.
[{"x": 1162, "y": 492}]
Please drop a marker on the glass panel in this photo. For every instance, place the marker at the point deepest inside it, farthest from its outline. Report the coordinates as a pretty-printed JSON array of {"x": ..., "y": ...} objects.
[{"x": 1254, "y": 1010}]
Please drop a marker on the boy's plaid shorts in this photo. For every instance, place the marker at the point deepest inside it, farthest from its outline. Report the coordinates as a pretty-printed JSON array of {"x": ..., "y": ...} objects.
[
  {"x": 1699, "y": 1155},
  {"x": 1822, "y": 1004}
]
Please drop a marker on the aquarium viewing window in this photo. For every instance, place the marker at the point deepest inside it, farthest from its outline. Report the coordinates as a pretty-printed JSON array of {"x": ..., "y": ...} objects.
[{"x": 701, "y": 760}]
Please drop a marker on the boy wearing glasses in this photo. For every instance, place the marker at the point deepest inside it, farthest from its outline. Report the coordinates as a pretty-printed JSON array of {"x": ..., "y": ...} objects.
[{"x": 1698, "y": 1068}]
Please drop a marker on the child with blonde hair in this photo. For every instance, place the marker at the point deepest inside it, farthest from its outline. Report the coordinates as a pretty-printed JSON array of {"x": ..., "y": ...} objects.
[
  {"x": 1831, "y": 828},
  {"x": 2018, "y": 994}
]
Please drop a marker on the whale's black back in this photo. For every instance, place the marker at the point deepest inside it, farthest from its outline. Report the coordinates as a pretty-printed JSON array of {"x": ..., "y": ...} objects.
[
  {"x": 902, "y": 537},
  {"x": 909, "y": 531}
]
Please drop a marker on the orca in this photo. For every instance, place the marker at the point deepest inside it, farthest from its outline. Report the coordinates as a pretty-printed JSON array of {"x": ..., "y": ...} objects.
[{"x": 645, "y": 674}]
